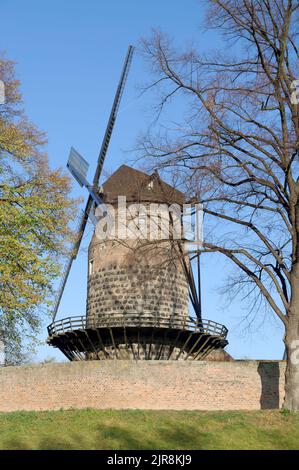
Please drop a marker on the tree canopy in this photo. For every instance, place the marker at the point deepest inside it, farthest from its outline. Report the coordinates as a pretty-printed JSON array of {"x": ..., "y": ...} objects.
[
  {"x": 35, "y": 213},
  {"x": 236, "y": 146}
]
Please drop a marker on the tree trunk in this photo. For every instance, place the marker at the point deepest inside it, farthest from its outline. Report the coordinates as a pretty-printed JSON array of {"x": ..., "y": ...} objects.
[{"x": 291, "y": 401}]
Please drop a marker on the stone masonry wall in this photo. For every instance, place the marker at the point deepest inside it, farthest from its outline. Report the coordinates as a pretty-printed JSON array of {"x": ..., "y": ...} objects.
[
  {"x": 132, "y": 289},
  {"x": 158, "y": 385}
]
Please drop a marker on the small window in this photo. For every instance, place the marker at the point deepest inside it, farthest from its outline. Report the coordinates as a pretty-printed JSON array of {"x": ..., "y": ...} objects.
[
  {"x": 150, "y": 185},
  {"x": 91, "y": 267}
]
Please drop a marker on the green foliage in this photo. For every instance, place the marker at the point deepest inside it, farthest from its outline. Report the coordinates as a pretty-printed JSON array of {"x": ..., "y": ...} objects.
[
  {"x": 35, "y": 211},
  {"x": 285, "y": 412},
  {"x": 138, "y": 429}
]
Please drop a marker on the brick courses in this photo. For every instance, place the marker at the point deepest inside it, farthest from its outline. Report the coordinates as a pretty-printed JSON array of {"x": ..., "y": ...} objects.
[{"x": 157, "y": 385}]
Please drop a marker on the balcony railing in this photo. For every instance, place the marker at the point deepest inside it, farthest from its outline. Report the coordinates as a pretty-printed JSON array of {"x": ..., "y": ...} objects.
[{"x": 70, "y": 324}]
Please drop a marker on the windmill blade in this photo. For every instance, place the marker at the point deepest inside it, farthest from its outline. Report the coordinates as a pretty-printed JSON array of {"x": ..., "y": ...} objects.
[
  {"x": 112, "y": 117},
  {"x": 99, "y": 167},
  {"x": 106, "y": 140},
  {"x": 78, "y": 167}
]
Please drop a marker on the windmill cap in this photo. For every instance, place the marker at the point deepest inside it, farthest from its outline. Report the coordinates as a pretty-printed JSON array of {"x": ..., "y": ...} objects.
[{"x": 138, "y": 186}]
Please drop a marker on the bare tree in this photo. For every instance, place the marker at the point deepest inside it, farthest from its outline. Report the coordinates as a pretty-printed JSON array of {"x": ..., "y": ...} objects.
[{"x": 238, "y": 148}]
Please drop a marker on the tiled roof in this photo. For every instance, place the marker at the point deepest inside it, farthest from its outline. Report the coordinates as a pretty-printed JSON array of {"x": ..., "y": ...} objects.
[{"x": 138, "y": 186}]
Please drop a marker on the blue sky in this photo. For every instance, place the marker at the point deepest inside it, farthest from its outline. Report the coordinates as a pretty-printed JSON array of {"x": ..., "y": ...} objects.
[{"x": 69, "y": 55}]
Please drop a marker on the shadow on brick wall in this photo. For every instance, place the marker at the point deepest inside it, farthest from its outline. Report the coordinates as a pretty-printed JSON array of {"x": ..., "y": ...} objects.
[{"x": 269, "y": 374}]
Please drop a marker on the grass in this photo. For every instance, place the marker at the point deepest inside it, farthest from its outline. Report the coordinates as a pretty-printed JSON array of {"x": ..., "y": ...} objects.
[{"x": 134, "y": 429}]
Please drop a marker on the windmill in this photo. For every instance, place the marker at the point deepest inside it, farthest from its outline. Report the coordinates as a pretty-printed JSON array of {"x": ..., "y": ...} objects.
[{"x": 134, "y": 310}]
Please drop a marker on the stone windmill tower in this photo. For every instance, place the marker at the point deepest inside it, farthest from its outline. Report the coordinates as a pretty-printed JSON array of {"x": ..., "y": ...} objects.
[
  {"x": 134, "y": 281},
  {"x": 138, "y": 288}
]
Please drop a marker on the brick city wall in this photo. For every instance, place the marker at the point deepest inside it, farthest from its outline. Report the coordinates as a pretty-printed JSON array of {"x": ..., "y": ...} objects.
[{"x": 247, "y": 385}]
